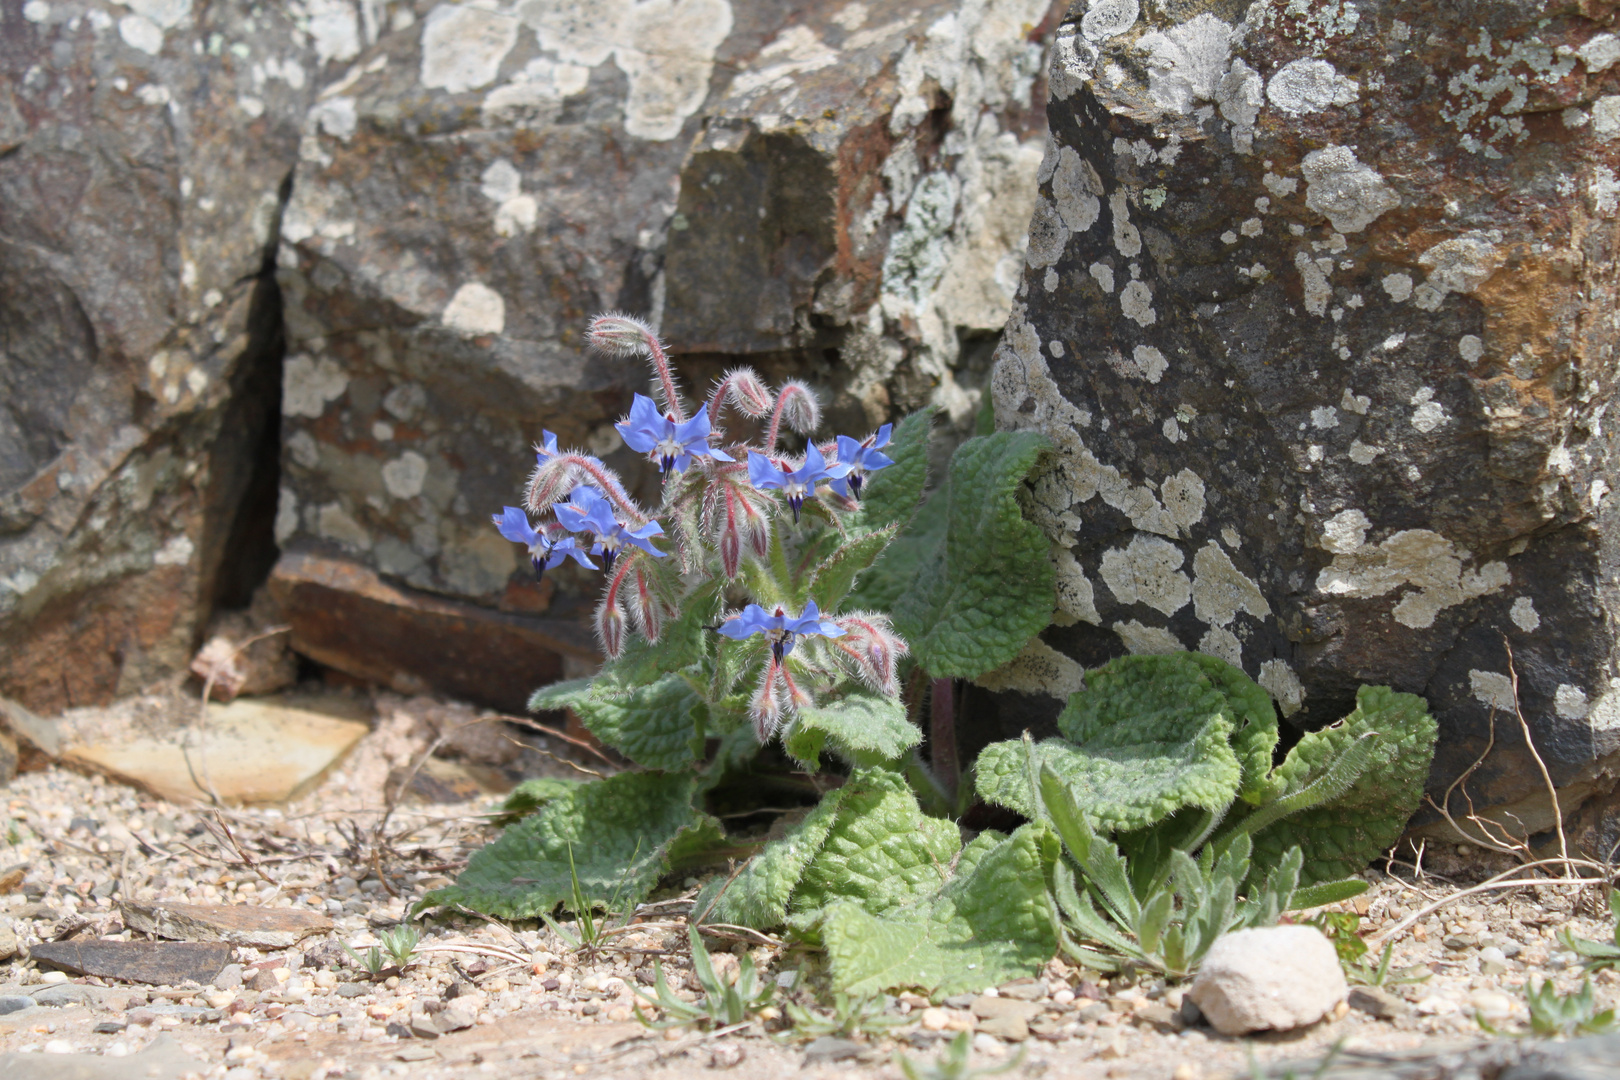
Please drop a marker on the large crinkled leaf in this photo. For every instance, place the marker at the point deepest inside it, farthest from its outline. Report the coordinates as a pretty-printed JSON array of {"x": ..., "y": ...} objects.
[
  {"x": 653, "y": 725},
  {"x": 991, "y": 923},
  {"x": 1341, "y": 837},
  {"x": 985, "y": 585},
  {"x": 862, "y": 727},
  {"x": 1147, "y": 737},
  {"x": 1254, "y": 722},
  {"x": 866, "y": 842},
  {"x": 880, "y": 587},
  {"x": 619, "y": 830},
  {"x": 760, "y": 895},
  {"x": 881, "y": 851}
]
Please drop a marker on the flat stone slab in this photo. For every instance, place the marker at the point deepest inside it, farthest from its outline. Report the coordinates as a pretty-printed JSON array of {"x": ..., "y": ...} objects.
[
  {"x": 161, "y": 1060},
  {"x": 238, "y": 924},
  {"x": 251, "y": 751},
  {"x": 159, "y": 963}
]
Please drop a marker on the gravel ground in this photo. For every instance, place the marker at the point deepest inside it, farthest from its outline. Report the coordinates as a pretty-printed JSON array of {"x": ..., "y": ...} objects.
[{"x": 522, "y": 1005}]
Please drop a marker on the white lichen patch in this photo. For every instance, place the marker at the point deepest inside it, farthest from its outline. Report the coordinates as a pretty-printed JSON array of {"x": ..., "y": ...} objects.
[
  {"x": 403, "y": 477},
  {"x": 794, "y": 52},
  {"x": 1427, "y": 414},
  {"x": 307, "y": 385},
  {"x": 1470, "y": 348},
  {"x": 1315, "y": 288},
  {"x": 1239, "y": 95},
  {"x": 1606, "y": 116},
  {"x": 1277, "y": 678},
  {"x": 1491, "y": 689},
  {"x": 463, "y": 46},
  {"x": 1347, "y": 192},
  {"x": 1187, "y": 62},
  {"x": 1039, "y": 669},
  {"x": 1345, "y": 532},
  {"x": 1220, "y": 590},
  {"x": 1076, "y": 188},
  {"x": 1147, "y": 571},
  {"x": 1524, "y": 616},
  {"x": 1569, "y": 701},
  {"x": 1353, "y": 402},
  {"x": 1309, "y": 86},
  {"x": 1076, "y": 598},
  {"x": 1218, "y": 641},
  {"x": 1149, "y": 362},
  {"x": 1600, "y": 53},
  {"x": 1108, "y": 18},
  {"x": 1398, "y": 287},
  {"x": 1183, "y": 499},
  {"x": 1421, "y": 559},
  {"x": 1103, "y": 275},
  {"x": 476, "y": 309},
  {"x": 1459, "y": 265},
  {"x": 1048, "y": 236},
  {"x": 286, "y": 523},
  {"x": 1127, "y": 239},
  {"x": 1136, "y": 303},
  {"x": 336, "y": 117},
  {"x": 176, "y": 551},
  {"x": 1143, "y": 640}
]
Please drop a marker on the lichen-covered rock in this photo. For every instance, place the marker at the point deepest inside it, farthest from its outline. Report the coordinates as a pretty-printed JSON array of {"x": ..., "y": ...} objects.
[
  {"x": 1318, "y": 313},
  {"x": 144, "y": 149},
  {"x": 840, "y": 187}
]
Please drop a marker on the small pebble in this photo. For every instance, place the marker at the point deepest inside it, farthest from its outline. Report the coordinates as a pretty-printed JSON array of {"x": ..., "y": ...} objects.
[{"x": 52, "y": 978}]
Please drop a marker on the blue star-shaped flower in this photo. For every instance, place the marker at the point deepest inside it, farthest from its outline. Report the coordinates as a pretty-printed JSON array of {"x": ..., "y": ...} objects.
[
  {"x": 797, "y": 484},
  {"x": 780, "y": 629},
  {"x": 543, "y": 552},
  {"x": 861, "y": 458},
  {"x": 587, "y": 510},
  {"x": 546, "y": 449},
  {"x": 648, "y": 431}
]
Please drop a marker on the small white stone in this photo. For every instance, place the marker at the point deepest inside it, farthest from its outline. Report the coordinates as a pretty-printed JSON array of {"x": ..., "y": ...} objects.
[{"x": 1269, "y": 978}]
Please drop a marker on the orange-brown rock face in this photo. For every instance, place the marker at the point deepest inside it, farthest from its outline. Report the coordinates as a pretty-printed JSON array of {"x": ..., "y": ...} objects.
[{"x": 1319, "y": 313}]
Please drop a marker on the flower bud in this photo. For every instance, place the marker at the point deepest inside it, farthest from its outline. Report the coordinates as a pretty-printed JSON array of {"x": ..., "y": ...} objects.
[
  {"x": 748, "y": 392},
  {"x": 766, "y": 707},
  {"x": 800, "y": 407},
  {"x": 620, "y": 335},
  {"x": 797, "y": 697},
  {"x": 644, "y": 605},
  {"x": 610, "y": 628}
]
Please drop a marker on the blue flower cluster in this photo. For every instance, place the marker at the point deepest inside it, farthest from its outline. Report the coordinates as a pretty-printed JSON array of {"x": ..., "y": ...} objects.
[{"x": 717, "y": 505}]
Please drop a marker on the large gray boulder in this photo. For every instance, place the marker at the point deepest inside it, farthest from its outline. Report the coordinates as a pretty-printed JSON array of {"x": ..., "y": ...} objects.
[
  {"x": 145, "y": 149},
  {"x": 836, "y": 189},
  {"x": 1318, "y": 312}
]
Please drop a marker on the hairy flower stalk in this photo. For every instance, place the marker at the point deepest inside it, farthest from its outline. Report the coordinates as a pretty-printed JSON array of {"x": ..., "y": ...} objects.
[{"x": 625, "y": 335}]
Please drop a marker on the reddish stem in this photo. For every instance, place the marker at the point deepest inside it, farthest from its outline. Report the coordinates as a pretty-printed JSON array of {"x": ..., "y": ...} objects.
[{"x": 672, "y": 400}]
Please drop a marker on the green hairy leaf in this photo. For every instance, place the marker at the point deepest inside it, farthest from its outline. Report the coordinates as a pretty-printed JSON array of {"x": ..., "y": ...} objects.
[
  {"x": 862, "y": 727},
  {"x": 1149, "y": 736},
  {"x": 620, "y": 831},
  {"x": 836, "y": 574},
  {"x": 1341, "y": 836},
  {"x": 867, "y": 842},
  {"x": 653, "y": 725},
  {"x": 984, "y": 585},
  {"x": 990, "y": 923},
  {"x": 530, "y": 796}
]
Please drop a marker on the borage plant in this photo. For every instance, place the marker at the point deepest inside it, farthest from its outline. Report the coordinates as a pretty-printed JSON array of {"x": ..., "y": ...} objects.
[{"x": 779, "y": 600}]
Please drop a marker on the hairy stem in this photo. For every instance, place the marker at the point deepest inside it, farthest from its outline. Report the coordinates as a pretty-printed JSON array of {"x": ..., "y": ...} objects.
[{"x": 672, "y": 400}]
